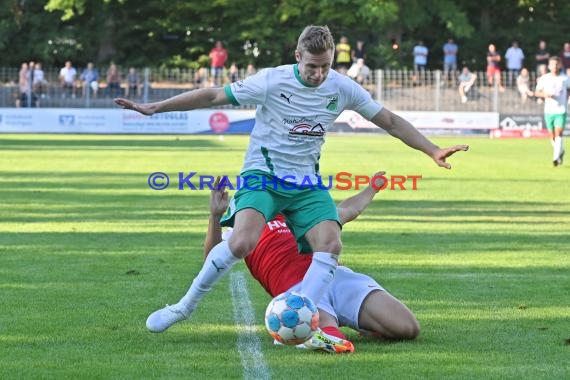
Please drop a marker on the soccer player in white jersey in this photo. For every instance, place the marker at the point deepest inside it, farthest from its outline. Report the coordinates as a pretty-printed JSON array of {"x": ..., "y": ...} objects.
[
  {"x": 296, "y": 105},
  {"x": 553, "y": 88}
]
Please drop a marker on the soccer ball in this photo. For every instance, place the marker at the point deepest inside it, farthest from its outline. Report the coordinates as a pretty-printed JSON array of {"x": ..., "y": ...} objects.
[{"x": 291, "y": 318}]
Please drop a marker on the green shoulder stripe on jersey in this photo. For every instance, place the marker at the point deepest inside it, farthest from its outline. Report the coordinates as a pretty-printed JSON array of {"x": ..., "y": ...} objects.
[
  {"x": 298, "y": 76},
  {"x": 268, "y": 162},
  {"x": 230, "y": 95}
]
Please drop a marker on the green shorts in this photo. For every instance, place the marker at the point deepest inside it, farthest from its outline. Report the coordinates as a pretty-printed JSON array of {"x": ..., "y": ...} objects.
[
  {"x": 303, "y": 208},
  {"x": 555, "y": 121}
]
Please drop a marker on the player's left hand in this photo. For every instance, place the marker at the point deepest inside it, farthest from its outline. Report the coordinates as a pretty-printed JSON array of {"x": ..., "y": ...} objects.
[
  {"x": 147, "y": 109},
  {"x": 440, "y": 155},
  {"x": 218, "y": 199}
]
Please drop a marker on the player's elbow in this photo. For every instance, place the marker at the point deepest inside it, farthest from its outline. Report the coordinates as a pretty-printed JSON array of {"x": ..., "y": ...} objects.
[{"x": 410, "y": 329}]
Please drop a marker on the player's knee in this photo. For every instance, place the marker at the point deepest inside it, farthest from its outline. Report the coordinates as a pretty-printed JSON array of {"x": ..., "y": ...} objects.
[
  {"x": 330, "y": 244},
  {"x": 335, "y": 246},
  {"x": 241, "y": 246}
]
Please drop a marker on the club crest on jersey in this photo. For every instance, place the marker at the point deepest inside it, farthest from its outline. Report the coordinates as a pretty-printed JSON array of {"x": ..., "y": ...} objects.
[{"x": 332, "y": 103}]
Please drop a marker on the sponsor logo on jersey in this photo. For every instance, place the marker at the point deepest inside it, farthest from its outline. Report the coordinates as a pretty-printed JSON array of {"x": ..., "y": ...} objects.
[
  {"x": 278, "y": 227},
  {"x": 305, "y": 129}
]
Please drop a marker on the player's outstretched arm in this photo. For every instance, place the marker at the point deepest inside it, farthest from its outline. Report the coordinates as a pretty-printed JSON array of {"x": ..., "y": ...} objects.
[
  {"x": 218, "y": 205},
  {"x": 405, "y": 131},
  {"x": 195, "y": 99},
  {"x": 350, "y": 208}
]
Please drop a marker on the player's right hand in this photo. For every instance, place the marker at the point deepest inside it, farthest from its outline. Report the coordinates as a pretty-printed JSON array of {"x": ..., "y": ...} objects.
[{"x": 378, "y": 180}]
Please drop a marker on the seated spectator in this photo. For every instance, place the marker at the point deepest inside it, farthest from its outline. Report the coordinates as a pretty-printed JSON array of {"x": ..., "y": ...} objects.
[
  {"x": 466, "y": 81},
  {"x": 233, "y": 73},
  {"x": 40, "y": 82},
  {"x": 541, "y": 70},
  {"x": 90, "y": 80},
  {"x": 250, "y": 70},
  {"x": 523, "y": 85},
  {"x": 201, "y": 79},
  {"x": 113, "y": 81},
  {"x": 359, "y": 71},
  {"x": 67, "y": 76},
  {"x": 133, "y": 83}
]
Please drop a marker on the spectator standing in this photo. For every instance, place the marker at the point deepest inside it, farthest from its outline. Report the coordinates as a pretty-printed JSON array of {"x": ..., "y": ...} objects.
[
  {"x": 343, "y": 55},
  {"x": 565, "y": 56},
  {"x": 493, "y": 67},
  {"x": 90, "y": 80},
  {"x": 420, "y": 60},
  {"x": 450, "y": 50},
  {"x": 31, "y": 67},
  {"x": 514, "y": 57},
  {"x": 23, "y": 86},
  {"x": 359, "y": 52},
  {"x": 133, "y": 87},
  {"x": 67, "y": 77},
  {"x": 218, "y": 57},
  {"x": 113, "y": 81},
  {"x": 542, "y": 55}
]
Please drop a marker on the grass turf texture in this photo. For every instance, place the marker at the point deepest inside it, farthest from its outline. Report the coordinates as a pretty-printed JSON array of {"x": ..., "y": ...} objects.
[{"x": 87, "y": 251}]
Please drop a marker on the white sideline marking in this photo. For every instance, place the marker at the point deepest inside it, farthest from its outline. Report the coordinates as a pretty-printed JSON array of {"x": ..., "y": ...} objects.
[{"x": 248, "y": 343}]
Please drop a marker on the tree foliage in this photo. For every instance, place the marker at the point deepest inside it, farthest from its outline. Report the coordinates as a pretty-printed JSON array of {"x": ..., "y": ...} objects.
[{"x": 181, "y": 33}]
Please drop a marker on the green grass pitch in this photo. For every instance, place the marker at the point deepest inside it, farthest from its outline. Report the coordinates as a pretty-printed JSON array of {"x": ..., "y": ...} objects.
[{"x": 480, "y": 253}]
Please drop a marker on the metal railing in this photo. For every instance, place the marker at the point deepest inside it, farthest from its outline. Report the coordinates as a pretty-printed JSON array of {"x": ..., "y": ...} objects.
[{"x": 396, "y": 89}]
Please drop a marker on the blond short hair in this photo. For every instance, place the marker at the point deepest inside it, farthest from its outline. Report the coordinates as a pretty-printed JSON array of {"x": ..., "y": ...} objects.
[{"x": 315, "y": 39}]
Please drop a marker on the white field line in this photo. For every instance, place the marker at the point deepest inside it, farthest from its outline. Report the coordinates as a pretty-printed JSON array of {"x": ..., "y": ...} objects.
[{"x": 248, "y": 343}]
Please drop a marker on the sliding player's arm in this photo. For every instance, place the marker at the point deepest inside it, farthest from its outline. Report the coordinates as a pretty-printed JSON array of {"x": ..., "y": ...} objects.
[
  {"x": 218, "y": 205},
  {"x": 350, "y": 208}
]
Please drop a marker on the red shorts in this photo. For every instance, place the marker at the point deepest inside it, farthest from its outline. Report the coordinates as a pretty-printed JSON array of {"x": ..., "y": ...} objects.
[{"x": 493, "y": 70}]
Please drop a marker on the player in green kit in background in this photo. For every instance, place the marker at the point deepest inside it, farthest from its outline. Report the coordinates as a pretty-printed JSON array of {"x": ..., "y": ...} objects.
[
  {"x": 296, "y": 105},
  {"x": 553, "y": 88}
]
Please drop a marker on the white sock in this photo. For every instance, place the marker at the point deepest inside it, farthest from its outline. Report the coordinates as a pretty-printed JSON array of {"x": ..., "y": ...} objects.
[
  {"x": 557, "y": 147},
  {"x": 219, "y": 262},
  {"x": 319, "y": 275}
]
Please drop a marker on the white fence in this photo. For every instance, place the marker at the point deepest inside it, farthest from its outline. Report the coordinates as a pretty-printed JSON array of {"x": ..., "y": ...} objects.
[{"x": 396, "y": 89}]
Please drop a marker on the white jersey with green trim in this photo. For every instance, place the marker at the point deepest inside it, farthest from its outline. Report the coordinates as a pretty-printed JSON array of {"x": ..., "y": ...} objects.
[
  {"x": 293, "y": 117},
  {"x": 556, "y": 86}
]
